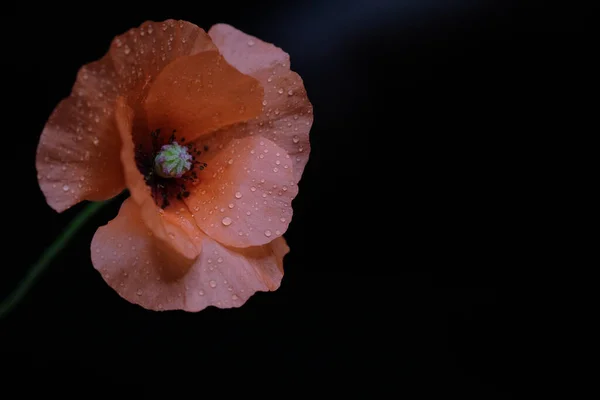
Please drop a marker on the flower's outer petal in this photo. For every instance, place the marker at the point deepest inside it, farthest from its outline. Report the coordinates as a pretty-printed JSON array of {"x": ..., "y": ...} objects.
[
  {"x": 140, "y": 54},
  {"x": 175, "y": 225},
  {"x": 287, "y": 114},
  {"x": 78, "y": 153},
  {"x": 200, "y": 94},
  {"x": 244, "y": 196},
  {"x": 135, "y": 264}
]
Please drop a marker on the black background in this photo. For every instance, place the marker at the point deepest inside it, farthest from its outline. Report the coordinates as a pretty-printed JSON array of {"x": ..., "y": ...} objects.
[{"x": 413, "y": 228}]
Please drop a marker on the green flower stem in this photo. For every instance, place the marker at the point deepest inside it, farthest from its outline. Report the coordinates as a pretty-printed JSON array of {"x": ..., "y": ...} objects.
[{"x": 40, "y": 266}]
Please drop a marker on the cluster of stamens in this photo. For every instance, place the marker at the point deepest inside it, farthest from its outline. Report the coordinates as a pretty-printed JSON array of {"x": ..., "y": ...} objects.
[{"x": 169, "y": 166}]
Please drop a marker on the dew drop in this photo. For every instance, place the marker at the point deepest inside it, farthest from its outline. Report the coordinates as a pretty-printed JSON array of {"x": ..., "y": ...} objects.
[
  {"x": 250, "y": 43},
  {"x": 268, "y": 233},
  {"x": 66, "y": 188},
  {"x": 213, "y": 284},
  {"x": 139, "y": 292},
  {"x": 280, "y": 91},
  {"x": 296, "y": 139},
  {"x": 201, "y": 292},
  {"x": 226, "y": 221},
  {"x": 238, "y": 195},
  {"x": 230, "y": 205}
]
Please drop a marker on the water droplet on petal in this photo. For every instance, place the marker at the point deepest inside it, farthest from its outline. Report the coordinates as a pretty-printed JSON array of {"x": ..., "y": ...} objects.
[
  {"x": 213, "y": 284},
  {"x": 66, "y": 188},
  {"x": 238, "y": 195},
  {"x": 139, "y": 292},
  {"x": 226, "y": 221},
  {"x": 296, "y": 139},
  {"x": 268, "y": 233}
]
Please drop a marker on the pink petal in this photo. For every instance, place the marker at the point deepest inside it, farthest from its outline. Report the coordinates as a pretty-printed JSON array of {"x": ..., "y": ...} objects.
[
  {"x": 139, "y": 269},
  {"x": 140, "y": 54},
  {"x": 244, "y": 196},
  {"x": 78, "y": 152},
  {"x": 287, "y": 112},
  {"x": 200, "y": 94}
]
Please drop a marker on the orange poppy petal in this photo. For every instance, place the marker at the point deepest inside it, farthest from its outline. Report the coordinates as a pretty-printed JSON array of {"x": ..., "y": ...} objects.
[
  {"x": 287, "y": 115},
  {"x": 77, "y": 156},
  {"x": 173, "y": 225},
  {"x": 244, "y": 196},
  {"x": 199, "y": 94},
  {"x": 135, "y": 265},
  {"x": 140, "y": 54}
]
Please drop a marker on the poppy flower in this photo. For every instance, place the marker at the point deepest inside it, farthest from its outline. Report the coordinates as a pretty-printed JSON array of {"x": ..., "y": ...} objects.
[{"x": 209, "y": 132}]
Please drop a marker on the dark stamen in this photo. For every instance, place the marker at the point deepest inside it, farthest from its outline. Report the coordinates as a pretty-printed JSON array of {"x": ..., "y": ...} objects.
[{"x": 164, "y": 188}]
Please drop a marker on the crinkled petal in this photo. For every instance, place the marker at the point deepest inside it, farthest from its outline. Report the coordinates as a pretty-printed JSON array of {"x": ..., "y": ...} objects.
[
  {"x": 140, "y": 54},
  {"x": 173, "y": 225},
  {"x": 134, "y": 263},
  {"x": 78, "y": 153},
  {"x": 200, "y": 94},
  {"x": 244, "y": 196},
  {"x": 287, "y": 116}
]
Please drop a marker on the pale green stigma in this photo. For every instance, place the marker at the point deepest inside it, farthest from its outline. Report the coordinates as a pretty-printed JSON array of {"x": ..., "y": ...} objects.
[{"x": 172, "y": 161}]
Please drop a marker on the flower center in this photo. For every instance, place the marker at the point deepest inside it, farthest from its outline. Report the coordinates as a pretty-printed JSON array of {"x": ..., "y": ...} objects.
[
  {"x": 168, "y": 167},
  {"x": 172, "y": 161}
]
